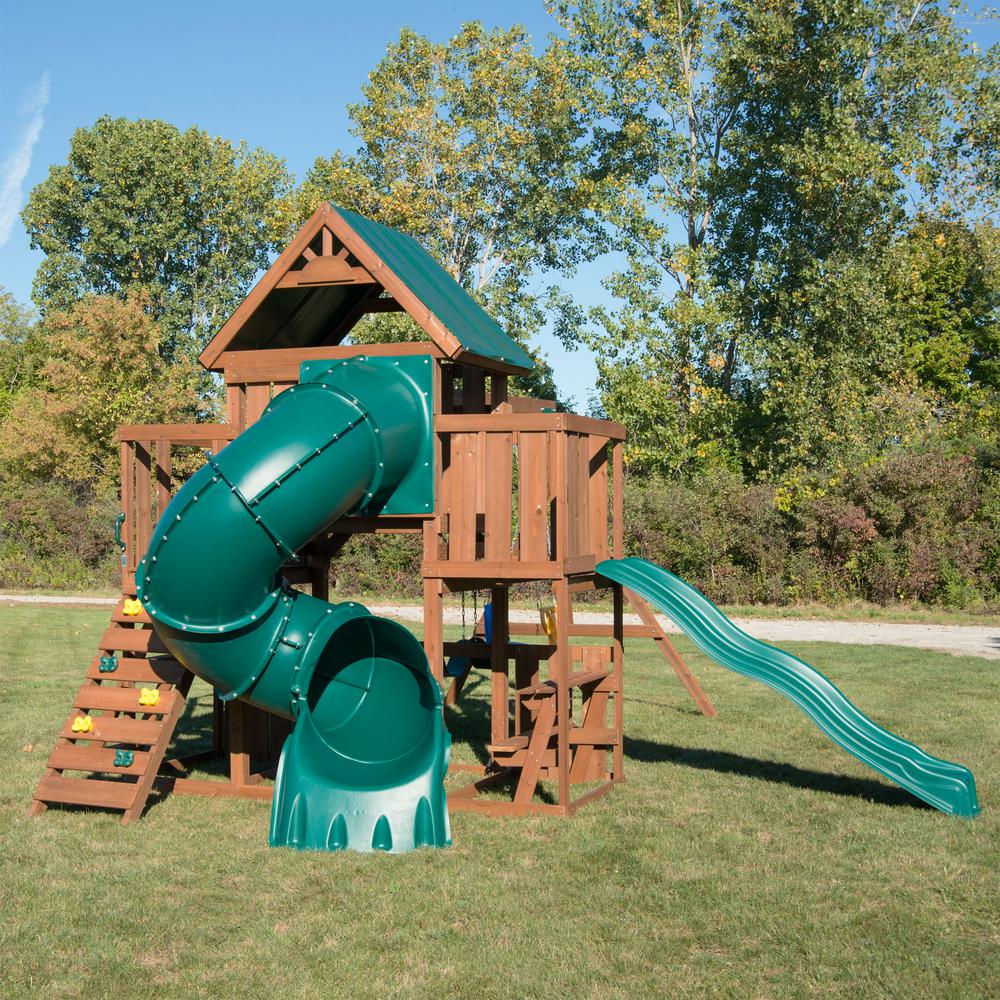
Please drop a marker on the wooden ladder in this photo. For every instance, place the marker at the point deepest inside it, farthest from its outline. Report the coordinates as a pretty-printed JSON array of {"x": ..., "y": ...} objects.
[{"x": 133, "y": 652}]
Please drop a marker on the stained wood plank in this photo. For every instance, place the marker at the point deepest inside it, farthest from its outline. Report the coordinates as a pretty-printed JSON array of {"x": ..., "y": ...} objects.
[
  {"x": 112, "y": 698},
  {"x": 81, "y": 757},
  {"x": 143, "y": 498},
  {"x": 597, "y": 498},
  {"x": 154, "y": 670},
  {"x": 533, "y": 498},
  {"x": 499, "y": 499},
  {"x": 670, "y": 654},
  {"x": 86, "y": 792},
  {"x": 258, "y": 396},
  {"x": 192, "y": 434},
  {"x": 536, "y": 747},
  {"x": 462, "y": 497},
  {"x": 132, "y": 640},
  {"x": 110, "y": 730}
]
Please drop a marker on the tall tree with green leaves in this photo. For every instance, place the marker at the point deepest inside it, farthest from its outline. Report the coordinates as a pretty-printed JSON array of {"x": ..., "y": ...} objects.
[
  {"x": 470, "y": 146},
  {"x": 102, "y": 367},
  {"x": 754, "y": 162},
  {"x": 185, "y": 219},
  {"x": 22, "y": 351}
]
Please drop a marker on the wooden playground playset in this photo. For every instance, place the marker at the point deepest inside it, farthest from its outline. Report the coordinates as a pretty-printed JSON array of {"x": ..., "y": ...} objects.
[
  {"x": 523, "y": 494},
  {"x": 326, "y": 440}
]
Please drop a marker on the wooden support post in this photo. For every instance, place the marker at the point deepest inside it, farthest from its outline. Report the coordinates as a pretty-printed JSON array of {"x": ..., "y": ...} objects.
[
  {"x": 239, "y": 752},
  {"x": 500, "y": 686},
  {"x": 536, "y": 751},
  {"x": 671, "y": 655},
  {"x": 563, "y": 667},
  {"x": 618, "y": 662}
]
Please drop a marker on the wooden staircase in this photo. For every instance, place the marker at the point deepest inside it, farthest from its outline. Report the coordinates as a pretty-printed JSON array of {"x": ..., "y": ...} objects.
[
  {"x": 532, "y": 747},
  {"x": 131, "y": 657}
]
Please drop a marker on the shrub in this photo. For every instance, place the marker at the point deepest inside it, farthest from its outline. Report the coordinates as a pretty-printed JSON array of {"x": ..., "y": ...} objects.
[
  {"x": 912, "y": 527},
  {"x": 56, "y": 534}
]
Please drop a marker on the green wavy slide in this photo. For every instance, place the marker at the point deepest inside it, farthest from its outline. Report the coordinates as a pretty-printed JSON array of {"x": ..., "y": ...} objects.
[{"x": 946, "y": 786}]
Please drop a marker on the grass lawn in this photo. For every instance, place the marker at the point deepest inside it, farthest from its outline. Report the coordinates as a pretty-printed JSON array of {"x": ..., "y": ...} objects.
[{"x": 745, "y": 857}]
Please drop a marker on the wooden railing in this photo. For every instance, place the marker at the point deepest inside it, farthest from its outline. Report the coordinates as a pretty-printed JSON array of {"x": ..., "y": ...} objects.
[
  {"x": 526, "y": 496},
  {"x": 155, "y": 458}
]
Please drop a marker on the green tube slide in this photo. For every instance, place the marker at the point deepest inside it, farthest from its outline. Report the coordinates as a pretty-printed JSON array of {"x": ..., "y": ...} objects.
[
  {"x": 364, "y": 765},
  {"x": 946, "y": 786}
]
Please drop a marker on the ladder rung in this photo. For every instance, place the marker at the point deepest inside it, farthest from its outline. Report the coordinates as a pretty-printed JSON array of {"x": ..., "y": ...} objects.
[
  {"x": 132, "y": 640},
  {"x": 78, "y": 757},
  {"x": 578, "y": 736},
  {"x": 119, "y": 699},
  {"x": 144, "y": 732},
  {"x": 155, "y": 670},
  {"x": 86, "y": 792},
  {"x": 579, "y": 679},
  {"x": 118, "y": 615}
]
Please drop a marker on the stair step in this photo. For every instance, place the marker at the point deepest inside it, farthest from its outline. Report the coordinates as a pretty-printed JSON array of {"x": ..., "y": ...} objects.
[
  {"x": 78, "y": 757},
  {"x": 86, "y": 792},
  {"x": 579, "y": 679},
  {"x": 577, "y": 737},
  {"x": 119, "y": 699},
  {"x": 117, "y": 691},
  {"x": 118, "y": 615},
  {"x": 155, "y": 670},
  {"x": 144, "y": 732},
  {"x": 132, "y": 640}
]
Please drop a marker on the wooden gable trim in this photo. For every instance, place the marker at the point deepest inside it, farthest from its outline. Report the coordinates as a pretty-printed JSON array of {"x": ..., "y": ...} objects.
[
  {"x": 394, "y": 285},
  {"x": 373, "y": 269},
  {"x": 300, "y": 243}
]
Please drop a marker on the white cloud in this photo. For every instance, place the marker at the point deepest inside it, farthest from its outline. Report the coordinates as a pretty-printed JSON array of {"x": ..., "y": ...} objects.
[{"x": 15, "y": 167}]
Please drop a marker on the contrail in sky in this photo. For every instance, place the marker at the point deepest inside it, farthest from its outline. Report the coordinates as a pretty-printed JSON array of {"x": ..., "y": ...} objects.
[{"x": 15, "y": 167}]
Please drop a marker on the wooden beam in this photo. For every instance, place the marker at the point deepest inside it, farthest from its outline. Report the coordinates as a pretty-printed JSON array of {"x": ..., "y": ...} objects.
[
  {"x": 282, "y": 365},
  {"x": 344, "y": 327},
  {"x": 470, "y": 423},
  {"x": 176, "y": 433},
  {"x": 671, "y": 655}
]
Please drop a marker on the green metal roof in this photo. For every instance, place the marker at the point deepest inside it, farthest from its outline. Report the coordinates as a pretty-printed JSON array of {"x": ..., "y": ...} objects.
[{"x": 465, "y": 319}]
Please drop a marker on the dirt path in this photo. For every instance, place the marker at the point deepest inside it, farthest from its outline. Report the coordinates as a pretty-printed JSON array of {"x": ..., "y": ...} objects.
[{"x": 964, "y": 640}]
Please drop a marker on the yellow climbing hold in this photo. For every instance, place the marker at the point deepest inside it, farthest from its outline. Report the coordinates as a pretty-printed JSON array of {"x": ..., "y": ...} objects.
[
  {"x": 82, "y": 724},
  {"x": 131, "y": 607},
  {"x": 547, "y": 617},
  {"x": 148, "y": 696}
]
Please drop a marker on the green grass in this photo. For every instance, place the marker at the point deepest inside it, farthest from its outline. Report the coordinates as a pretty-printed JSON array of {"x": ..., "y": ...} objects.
[{"x": 745, "y": 857}]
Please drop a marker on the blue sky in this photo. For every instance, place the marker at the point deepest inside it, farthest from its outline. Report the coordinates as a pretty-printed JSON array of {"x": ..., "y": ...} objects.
[{"x": 279, "y": 76}]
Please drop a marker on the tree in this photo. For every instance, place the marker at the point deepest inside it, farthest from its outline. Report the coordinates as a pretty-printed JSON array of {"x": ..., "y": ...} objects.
[
  {"x": 183, "y": 218},
  {"x": 752, "y": 160},
  {"x": 945, "y": 286},
  {"x": 22, "y": 351},
  {"x": 103, "y": 368},
  {"x": 468, "y": 145}
]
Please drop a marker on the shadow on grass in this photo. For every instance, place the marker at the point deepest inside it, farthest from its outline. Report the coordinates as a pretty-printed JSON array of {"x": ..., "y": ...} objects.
[
  {"x": 469, "y": 721},
  {"x": 723, "y": 762}
]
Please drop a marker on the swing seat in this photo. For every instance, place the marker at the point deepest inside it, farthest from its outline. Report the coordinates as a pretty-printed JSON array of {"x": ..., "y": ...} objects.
[{"x": 457, "y": 666}]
